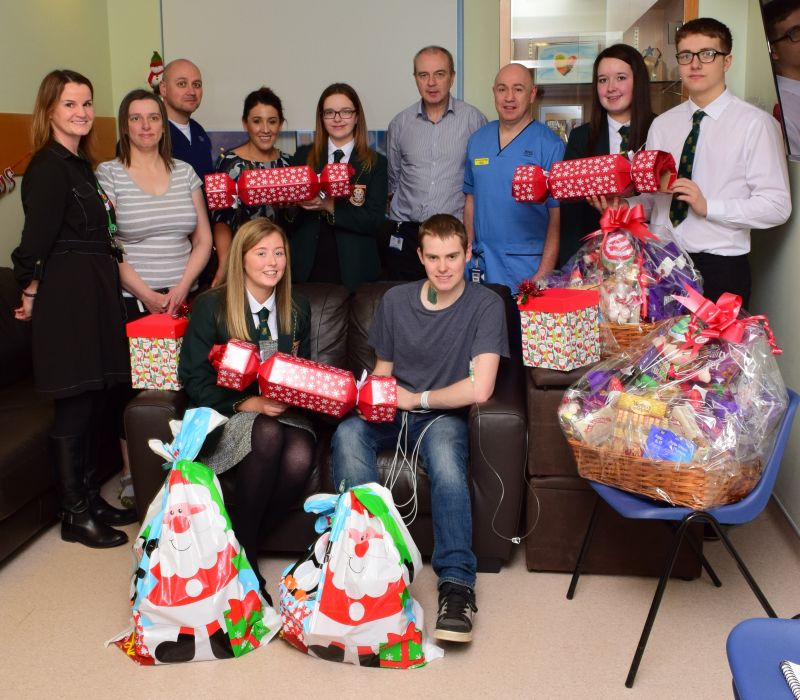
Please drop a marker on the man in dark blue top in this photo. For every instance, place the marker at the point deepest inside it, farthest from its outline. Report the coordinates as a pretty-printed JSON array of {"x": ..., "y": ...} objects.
[{"x": 182, "y": 90}]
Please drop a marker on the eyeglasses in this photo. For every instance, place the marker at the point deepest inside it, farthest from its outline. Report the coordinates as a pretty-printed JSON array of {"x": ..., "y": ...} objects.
[
  {"x": 331, "y": 114},
  {"x": 704, "y": 56},
  {"x": 792, "y": 35}
]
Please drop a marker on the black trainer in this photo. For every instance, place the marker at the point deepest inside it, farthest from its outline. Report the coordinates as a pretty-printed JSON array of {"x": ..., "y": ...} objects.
[{"x": 456, "y": 610}]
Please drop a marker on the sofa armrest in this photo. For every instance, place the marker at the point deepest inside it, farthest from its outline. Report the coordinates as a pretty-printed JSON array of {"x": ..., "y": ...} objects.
[
  {"x": 147, "y": 416},
  {"x": 498, "y": 449}
]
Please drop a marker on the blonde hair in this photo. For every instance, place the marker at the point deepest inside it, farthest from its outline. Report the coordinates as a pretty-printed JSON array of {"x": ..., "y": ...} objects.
[
  {"x": 235, "y": 308},
  {"x": 47, "y": 98}
]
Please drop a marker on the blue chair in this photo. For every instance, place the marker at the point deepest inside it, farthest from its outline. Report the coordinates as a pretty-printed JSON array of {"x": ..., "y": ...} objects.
[
  {"x": 642, "y": 508},
  {"x": 755, "y": 650}
]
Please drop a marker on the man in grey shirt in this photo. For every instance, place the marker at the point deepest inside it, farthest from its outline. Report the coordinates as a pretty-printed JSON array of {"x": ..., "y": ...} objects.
[{"x": 426, "y": 146}]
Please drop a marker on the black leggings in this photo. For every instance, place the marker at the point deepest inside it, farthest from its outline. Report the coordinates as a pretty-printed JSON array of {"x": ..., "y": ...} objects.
[
  {"x": 269, "y": 481},
  {"x": 86, "y": 413}
]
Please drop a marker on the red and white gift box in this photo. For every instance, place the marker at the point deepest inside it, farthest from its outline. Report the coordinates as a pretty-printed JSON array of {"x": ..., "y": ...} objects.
[
  {"x": 529, "y": 184},
  {"x": 584, "y": 177},
  {"x": 653, "y": 171},
  {"x": 155, "y": 346},
  {"x": 220, "y": 191},
  {"x": 377, "y": 398},
  {"x": 236, "y": 363},
  {"x": 334, "y": 180},
  {"x": 296, "y": 183},
  {"x": 307, "y": 384}
]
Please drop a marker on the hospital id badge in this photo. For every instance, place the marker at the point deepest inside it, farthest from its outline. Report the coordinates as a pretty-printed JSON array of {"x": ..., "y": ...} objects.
[
  {"x": 267, "y": 348},
  {"x": 396, "y": 243}
]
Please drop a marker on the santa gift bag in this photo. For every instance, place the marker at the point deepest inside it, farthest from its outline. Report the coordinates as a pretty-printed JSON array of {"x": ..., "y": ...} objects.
[
  {"x": 194, "y": 595},
  {"x": 348, "y": 599},
  {"x": 155, "y": 346},
  {"x": 560, "y": 328}
]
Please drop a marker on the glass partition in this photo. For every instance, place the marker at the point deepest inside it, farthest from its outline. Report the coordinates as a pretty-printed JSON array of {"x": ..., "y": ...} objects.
[
  {"x": 782, "y": 29},
  {"x": 558, "y": 42}
]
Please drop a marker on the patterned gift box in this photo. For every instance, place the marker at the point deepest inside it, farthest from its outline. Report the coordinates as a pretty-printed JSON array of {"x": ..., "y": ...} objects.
[
  {"x": 236, "y": 363},
  {"x": 297, "y": 183},
  {"x": 560, "y": 329},
  {"x": 653, "y": 171},
  {"x": 529, "y": 184},
  {"x": 155, "y": 345},
  {"x": 220, "y": 191},
  {"x": 583, "y": 177},
  {"x": 307, "y": 384},
  {"x": 334, "y": 180},
  {"x": 377, "y": 399}
]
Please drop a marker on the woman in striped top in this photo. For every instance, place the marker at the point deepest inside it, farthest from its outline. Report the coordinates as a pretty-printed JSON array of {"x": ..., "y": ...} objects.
[{"x": 160, "y": 210}]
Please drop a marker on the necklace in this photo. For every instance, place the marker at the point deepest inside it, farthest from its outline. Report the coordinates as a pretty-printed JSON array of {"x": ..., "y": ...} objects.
[{"x": 432, "y": 294}]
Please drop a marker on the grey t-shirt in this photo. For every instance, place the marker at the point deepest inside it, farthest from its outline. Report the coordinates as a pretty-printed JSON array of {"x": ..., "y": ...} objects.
[{"x": 433, "y": 349}]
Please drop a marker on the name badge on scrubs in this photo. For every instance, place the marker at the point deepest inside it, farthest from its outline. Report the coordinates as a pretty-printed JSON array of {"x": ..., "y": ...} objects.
[
  {"x": 481, "y": 161},
  {"x": 267, "y": 348}
]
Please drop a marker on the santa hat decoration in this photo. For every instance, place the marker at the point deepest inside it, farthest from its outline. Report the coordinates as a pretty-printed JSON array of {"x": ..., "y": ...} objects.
[
  {"x": 180, "y": 487},
  {"x": 156, "y": 71}
]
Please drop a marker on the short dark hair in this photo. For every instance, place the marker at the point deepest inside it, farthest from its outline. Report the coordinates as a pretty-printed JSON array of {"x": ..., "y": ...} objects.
[
  {"x": 164, "y": 144},
  {"x": 443, "y": 226},
  {"x": 262, "y": 96},
  {"x": 707, "y": 26},
  {"x": 435, "y": 49},
  {"x": 777, "y": 11}
]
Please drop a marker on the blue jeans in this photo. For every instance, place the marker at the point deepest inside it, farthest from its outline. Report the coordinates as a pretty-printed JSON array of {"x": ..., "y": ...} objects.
[{"x": 445, "y": 453}]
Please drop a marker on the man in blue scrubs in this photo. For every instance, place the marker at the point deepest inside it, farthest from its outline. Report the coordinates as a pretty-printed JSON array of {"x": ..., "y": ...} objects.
[{"x": 511, "y": 241}]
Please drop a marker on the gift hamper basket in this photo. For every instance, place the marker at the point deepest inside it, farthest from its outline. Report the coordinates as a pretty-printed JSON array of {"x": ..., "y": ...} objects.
[{"x": 686, "y": 414}]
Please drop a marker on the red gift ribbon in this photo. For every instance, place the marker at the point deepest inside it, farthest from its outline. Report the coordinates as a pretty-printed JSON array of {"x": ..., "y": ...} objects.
[
  {"x": 720, "y": 319},
  {"x": 629, "y": 218}
]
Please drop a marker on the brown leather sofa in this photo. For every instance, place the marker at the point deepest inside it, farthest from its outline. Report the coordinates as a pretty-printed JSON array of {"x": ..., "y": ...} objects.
[
  {"x": 340, "y": 325},
  {"x": 27, "y": 492},
  {"x": 560, "y": 502}
]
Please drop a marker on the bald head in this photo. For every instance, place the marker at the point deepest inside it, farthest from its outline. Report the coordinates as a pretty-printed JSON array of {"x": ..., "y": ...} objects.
[
  {"x": 514, "y": 93},
  {"x": 182, "y": 89}
]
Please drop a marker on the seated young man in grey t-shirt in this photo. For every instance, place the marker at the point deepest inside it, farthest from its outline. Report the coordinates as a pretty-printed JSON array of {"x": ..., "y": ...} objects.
[{"x": 442, "y": 339}]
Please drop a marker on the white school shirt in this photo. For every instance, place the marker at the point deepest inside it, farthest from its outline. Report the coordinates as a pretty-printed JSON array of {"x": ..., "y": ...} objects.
[
  {"x": 740, "y": 167},
  {"x": 614, "y": 137},
  {"x": 347, "y": 149}
]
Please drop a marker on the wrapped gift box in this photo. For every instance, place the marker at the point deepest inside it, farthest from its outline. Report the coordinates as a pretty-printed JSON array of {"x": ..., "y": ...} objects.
[
  {"x": 155, "y": 345},
  {"x": 334, "y": 180},
  {"x": 653, "y": 171},
  {"x": 297, "y": 183},
  {"x": 560, "y": 329},
  {"x": 220, "y": 191},
  {"x": 529, "y": 184},
  {"x": 377, "y": 399},
  {"x": 583, "y": 177},
  {"x": 236, "y": 363},
  {"x": 307, "y": 384}
]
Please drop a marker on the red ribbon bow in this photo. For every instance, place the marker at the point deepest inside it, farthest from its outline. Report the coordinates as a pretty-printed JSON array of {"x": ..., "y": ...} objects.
[
  {"x": 242, "y": 609},
  {"x": 632, "y": 219},
  {"x": 412, "y": 634},
  {"x": 720, "y": 319}
]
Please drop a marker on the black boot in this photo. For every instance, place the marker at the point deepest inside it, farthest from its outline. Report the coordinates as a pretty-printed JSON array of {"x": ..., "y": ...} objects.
[
  {"x": 99, "y": 506},
  {"x": 78, "y": 524}
]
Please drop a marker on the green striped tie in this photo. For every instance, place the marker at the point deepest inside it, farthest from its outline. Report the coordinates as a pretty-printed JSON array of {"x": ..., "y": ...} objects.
[
  {"x": 624, "y": 130},
  {"x": 679, "y": 209}
]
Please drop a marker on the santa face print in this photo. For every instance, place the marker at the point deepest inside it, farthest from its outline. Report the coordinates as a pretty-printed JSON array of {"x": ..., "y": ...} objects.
[
  {"x": 264, "y": 266},
  {"x": 73, "y": 115}
]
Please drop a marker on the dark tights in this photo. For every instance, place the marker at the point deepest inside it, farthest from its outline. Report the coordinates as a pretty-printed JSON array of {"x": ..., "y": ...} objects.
[
  {"x": 269, "y": 481},
  {"x": 85, "y": 413}
]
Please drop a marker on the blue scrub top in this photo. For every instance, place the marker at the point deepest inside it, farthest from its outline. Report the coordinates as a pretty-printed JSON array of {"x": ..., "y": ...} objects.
[{"x": 509, "y": 235}]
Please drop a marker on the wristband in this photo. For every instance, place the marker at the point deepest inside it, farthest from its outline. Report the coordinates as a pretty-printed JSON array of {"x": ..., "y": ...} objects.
[
  {"x": 236, "y": 405},
  {"x": 29, "y": 295},
  {"x": 423, "y": 400}
]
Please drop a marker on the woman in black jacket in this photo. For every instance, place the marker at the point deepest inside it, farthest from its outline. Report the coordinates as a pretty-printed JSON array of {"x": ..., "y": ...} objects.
[
  {"x": 67, "y": 264},
  {"x": 621, "y": 117},
  {"x": 336, "y": 240}
]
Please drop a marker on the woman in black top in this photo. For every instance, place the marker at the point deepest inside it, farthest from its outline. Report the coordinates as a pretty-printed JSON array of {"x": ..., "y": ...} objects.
[
  {"x": 620, "y": 100},
  {"x": 67, "y": 265}
]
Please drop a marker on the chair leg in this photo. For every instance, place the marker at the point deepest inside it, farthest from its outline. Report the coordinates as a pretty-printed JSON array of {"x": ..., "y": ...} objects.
[
  {"x": 584, "y": 549},
  {"x": 745, "y": 572},
  {"x": 662, "y": 584},
  {"x": 699, "y": 553}
]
